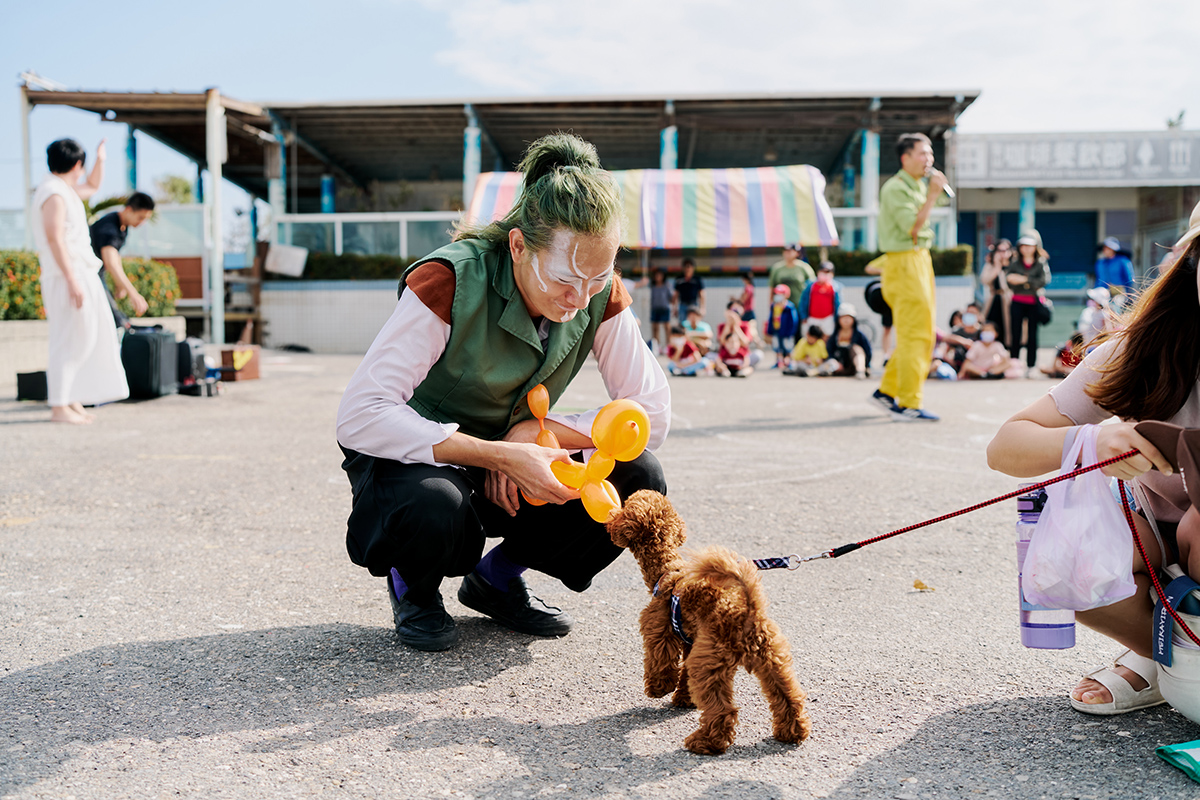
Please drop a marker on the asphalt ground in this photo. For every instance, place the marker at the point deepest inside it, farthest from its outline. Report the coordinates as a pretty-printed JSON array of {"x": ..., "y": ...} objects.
[{"x": 179, "y": 617}]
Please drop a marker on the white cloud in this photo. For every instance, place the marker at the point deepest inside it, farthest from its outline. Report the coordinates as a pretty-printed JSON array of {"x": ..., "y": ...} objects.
[{"x": 1041, "y": 65}]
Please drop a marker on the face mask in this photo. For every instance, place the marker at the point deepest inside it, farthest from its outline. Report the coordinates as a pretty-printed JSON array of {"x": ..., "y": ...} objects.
[
  {"x": 969, "y": 320},
  {"x": 987, "y": 336}
]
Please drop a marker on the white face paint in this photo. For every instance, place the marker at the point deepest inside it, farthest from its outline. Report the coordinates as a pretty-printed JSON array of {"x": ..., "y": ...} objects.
[{"x": 560, "y": 268}]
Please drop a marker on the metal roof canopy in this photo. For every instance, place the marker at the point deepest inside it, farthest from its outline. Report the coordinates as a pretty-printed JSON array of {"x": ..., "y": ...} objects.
[{"x": 420, "y": 140}]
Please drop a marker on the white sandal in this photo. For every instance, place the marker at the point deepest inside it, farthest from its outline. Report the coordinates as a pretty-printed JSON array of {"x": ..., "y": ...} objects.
[{"x": 1125, "y": 699}]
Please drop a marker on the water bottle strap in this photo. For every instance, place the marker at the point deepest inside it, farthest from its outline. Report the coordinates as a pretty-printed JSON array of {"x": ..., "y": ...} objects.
[{"x": 1175, "y": 592}]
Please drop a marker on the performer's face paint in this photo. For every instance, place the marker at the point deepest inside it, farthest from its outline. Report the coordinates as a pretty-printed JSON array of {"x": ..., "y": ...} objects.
[{"x": 569, "y": 273}]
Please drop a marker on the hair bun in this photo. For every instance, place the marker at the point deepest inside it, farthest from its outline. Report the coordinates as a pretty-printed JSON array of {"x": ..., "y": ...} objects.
[{"x": 558, "y": 151}]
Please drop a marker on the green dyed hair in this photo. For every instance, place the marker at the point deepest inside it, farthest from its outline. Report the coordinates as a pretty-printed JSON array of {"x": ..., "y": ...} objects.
[{"x": 565, "y": 188}]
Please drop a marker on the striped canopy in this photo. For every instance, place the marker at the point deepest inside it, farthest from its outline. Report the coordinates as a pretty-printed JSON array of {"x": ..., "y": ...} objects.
[{"x": 700, "y": 208}]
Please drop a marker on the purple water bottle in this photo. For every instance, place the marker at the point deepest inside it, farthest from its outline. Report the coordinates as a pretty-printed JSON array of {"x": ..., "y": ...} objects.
[{"x": 1042, "y": 628}]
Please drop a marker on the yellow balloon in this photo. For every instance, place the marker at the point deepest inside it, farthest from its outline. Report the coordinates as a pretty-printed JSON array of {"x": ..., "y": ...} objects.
[
  {"x": 569, "y": 473},
  {"x": 599, "y": 467},
  {"x": 621, "y": 429},
  {"x": 547, "y": 438},
  {"x": 600, "y": 500}
]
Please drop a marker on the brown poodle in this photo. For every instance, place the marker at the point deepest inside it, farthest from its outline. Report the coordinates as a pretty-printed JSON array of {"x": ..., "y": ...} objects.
[{"x": 721, "y": 624}]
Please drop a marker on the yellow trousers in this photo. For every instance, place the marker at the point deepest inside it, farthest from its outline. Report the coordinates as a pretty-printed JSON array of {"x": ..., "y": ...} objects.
[{"x": 907, "y": 283}]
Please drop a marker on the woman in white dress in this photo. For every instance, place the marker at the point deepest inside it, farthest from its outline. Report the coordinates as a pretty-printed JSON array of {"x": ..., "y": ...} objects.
[{"x": 84, "y": 365}]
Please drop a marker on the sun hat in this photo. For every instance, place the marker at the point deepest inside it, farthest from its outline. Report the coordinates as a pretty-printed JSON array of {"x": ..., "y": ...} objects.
[
  {"x": 1193, "y": 230},
  {"x": 1027, "y": 238},
  {"x": 1112, "y": 243},
  {"x": 825, "y": 266},
  {"x": 783, "y": 289},
  {"x": 1100, "y": 294},
  {"x": 847, "y": 310}
]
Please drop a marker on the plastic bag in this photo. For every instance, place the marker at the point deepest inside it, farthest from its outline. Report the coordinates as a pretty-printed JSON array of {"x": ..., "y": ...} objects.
[{"x": 1081, "y": 552}]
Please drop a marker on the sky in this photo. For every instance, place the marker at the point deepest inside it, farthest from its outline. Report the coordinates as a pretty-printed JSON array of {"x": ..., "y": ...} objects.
[{"x": 1041, "y": 65}]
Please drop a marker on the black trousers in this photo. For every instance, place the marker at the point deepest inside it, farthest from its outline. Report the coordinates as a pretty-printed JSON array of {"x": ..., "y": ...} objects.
[
  {"x": 1019, "y": 313},
  {"x": 431, "y": 522}
]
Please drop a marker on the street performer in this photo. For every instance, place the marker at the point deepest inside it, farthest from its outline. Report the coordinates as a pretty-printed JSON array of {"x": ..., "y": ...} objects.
[{"x": 905, "y": 202}]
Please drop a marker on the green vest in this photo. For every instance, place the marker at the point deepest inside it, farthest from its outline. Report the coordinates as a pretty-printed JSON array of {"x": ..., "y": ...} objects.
[{"x": 494, "y": 356}]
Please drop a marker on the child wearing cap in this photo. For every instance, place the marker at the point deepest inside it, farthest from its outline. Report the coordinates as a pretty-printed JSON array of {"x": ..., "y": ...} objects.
[
  {"x": 849, "y": 348},
  {"x": 782, "y": 324},
  {"x": 820, "y": 299}
]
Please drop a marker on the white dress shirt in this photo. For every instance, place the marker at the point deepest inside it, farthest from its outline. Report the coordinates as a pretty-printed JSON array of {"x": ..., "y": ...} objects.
[{"x": 374, "y": 417}]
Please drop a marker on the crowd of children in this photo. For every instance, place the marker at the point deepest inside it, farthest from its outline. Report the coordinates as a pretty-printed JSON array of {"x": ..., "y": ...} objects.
[{"x": 817, "y": 334}]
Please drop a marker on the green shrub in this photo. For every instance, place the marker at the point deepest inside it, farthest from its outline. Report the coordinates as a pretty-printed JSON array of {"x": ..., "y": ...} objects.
[
  {"x": 955, "y": 261},
  {"x": 155, "y": 281},
  {"x": 21, "y": 291},
  {"x": 349, "y": 267}
]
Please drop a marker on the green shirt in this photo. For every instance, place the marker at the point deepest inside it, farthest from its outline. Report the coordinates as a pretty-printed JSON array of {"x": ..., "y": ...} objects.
[
  {"x": 795, "y": 277},
  {"x": 900, "y": 200}
]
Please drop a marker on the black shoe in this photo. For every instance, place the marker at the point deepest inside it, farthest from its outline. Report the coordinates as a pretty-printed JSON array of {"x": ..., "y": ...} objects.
[
  {"x": 429, "y": 628},
  {"x": 516, "y": 609}
]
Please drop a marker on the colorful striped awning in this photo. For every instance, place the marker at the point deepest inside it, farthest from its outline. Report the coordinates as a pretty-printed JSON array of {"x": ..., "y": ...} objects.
[{"x": 700, "y": 208}]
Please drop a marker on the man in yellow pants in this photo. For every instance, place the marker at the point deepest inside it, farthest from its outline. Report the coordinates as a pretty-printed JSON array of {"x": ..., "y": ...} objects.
[{"x": 907, "y": 276}]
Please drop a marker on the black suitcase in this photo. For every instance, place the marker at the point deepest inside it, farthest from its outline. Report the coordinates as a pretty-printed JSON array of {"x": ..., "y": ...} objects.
[
  {"x": 32, "y": 386},
  {"x": 151, "y": 362},
  {"x": 192, "y": 370}
]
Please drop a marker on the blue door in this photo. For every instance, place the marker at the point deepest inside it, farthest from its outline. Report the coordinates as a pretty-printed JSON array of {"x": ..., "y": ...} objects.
[{"x": 1069, "y": 237}]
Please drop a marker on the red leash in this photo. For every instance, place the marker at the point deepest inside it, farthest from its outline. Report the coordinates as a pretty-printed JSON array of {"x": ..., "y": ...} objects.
[
  {"x": 795, "y": 561},
  {"x": 1162, "y": 596},
  {"x": 850, "y": 548}
]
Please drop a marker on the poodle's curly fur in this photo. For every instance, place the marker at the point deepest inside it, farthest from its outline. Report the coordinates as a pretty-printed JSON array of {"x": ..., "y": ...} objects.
[{"x": 724, "y": 614}]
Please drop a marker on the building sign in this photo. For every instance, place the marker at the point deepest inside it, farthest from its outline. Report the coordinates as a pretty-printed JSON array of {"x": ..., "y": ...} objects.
[{"x": 1159, "y": 158}]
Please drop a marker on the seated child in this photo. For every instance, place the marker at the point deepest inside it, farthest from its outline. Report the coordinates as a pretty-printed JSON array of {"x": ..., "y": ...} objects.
[
  {"x": 810, "y": 353},
  {"x": 987, "y": 358},
  {"x": 735, "y": 336},
  {"x": 685, "y": 356},
  {"x": 1067, "y": 357},
  {"x": 699, "y": 332}
]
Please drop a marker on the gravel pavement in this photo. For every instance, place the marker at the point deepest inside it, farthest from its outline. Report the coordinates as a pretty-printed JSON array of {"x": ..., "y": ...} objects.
[{"x": 179, "y": 617}]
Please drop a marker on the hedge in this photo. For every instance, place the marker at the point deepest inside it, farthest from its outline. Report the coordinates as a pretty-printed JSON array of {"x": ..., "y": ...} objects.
[
  {"x": 21, "y": 291},
  {"x": 349, "y": 267},
  {"x": 957, "y": 261}
]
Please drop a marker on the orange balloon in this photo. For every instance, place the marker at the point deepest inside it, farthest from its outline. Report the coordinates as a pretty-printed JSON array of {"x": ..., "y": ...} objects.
[
  {"x": 547, "y": 438},
  {"x": 533, "y": 501},
  {"x": 539, "y": 401},
  {"x": 600, "y": 500},
  {"x": 569, "y": 473}
]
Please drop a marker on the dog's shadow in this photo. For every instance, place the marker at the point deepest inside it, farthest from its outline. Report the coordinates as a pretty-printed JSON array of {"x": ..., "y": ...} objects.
[{"x": 594, "y": 751}]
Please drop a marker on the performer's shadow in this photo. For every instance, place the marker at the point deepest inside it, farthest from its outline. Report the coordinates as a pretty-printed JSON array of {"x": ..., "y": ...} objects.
[{"x": 295, "y": 682}]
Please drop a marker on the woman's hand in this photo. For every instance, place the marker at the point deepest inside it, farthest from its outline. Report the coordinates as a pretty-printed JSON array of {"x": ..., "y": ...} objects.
[
  {"x": 1113, "y": 440},
  {"x": 527, "y": 468}
]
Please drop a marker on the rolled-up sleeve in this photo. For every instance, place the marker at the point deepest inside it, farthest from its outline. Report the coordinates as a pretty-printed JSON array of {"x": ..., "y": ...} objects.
[
  {"x": 373, "y": 417},
  {"x": 1070, "y": 396},
  {"x": 630, "y": 372}
]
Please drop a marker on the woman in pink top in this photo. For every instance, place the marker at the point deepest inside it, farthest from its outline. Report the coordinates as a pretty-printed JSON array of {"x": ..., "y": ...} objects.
[{"x": 1146, "y": 371}]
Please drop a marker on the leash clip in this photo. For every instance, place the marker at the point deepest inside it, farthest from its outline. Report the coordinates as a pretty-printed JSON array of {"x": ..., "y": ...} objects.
[{"x": 796, "y": 560}]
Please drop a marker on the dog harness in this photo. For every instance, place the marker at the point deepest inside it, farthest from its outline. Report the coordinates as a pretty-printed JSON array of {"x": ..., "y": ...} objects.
[{"x": 676, "y": 617}]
